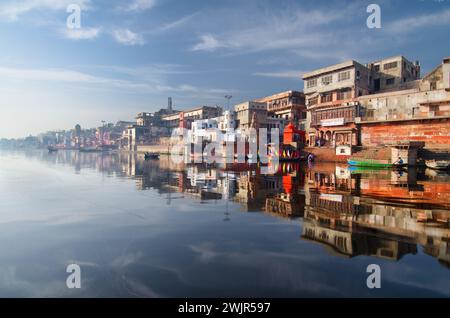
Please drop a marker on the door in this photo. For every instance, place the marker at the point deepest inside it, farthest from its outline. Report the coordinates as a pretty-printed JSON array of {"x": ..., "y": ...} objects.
[{"x": 376, "y": 84}]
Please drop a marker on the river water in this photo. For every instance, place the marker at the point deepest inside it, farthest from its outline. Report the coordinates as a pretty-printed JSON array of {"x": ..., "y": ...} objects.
[{"x": 159, "y": 229}]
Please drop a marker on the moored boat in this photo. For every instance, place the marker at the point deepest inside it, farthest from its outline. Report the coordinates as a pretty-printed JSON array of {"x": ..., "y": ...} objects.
[
  {"x": 364, "y": 162},
  {"x": 438, "y": 164},
  {"x": 52, "y": 149},
  {"x": 151, "y": 155}
]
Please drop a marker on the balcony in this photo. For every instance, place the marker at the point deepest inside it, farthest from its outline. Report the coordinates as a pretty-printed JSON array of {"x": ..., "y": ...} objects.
[{"x": 338, "y": 116}]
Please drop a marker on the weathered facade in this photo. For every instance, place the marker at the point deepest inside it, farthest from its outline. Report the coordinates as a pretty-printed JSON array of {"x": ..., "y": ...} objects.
[
  {"x": 421, "y": 113},
  {"x": 184, "y": 119},
  {"x": 331, "y": 99},
  {"x": 346, "y": 99},
  {"x": 244, "y": 115},
  {"x": 289, "y": 106},
  {"x": 391, "y": 73}
]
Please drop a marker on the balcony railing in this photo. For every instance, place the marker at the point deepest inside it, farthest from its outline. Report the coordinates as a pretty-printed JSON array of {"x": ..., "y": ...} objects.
[{"x": 334, "y": 116}]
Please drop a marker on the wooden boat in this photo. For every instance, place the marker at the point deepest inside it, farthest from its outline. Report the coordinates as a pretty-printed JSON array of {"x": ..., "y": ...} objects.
[
  {"x": 374, "y": 163},
  {"x": 151, "y": 155},
  {"x": 438, "y": 164}
]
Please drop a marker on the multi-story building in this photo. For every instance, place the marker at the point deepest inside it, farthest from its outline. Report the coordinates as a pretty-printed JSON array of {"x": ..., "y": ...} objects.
[
  {"x": 331, "y": 94},
  {"x": 419, "y": 113},
  {"x": 249, "y": 113},
  {"x": 289, "y": 106},
  {"x": 392, "y": 73},
  {"x": 133, "y": 136},
  {"x": 184, "y": 119},
  {"x": 227, "y": 122},
  {"x": 144, "y": 119},
  {"x": 206, "y": 130},
  {"x": 332, "y": 97},
  {"x": 148, "y": 129}
]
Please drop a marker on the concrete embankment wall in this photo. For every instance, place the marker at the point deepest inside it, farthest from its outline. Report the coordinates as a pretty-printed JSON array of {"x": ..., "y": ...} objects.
[
  {"x": 326, "y": 155},
  {"x": 162, "y": 147},
  {"x": 329, "y": 154},
  {"x": 154, "y": 148}
]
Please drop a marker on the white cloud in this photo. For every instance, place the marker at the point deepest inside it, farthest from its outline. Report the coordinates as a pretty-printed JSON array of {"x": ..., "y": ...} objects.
[
  {"x": 12, "y": 10},
  {"x": 207, "y": 43},
  {"x": 281, "y": 74},
  {"x": 58, "y": 75},
  {"x": 81, "y": 34},
  {"x": 139, "y": 83},
  {"x": 127, "y": 37},
  {"x": 427, "y": 20},
  {"x": 175, "y": 24},
  {"x": 139, "y": 5},
  {"x": 293, "y": 28}
]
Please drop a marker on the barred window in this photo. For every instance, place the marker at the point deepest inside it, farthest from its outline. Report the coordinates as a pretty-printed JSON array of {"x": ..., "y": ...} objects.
[
  {"x": 311, "y": 83},
  {"x": 388, "y": 66},
  {"x": 327, "y": 79},
  {"x": 344, "y": 94},
  {"x": 327, "y": 97},
  {"x": 390, "y": 81},
  {"x": 344, "y": 76},
  {"x": 313, "y": 101}
]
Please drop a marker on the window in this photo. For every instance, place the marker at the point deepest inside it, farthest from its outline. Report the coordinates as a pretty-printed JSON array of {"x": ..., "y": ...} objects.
[
  {"x": 370, "y": 113},
  {"x": 377, "y": 68},
  {"x": 311, "y": 83},
  {"x": 327, "y": 80},
  {"x": 433, "y": 86},
  {"x": 434, "y": 108},
  {"x": 344, "y": 94},
  {"x": 389, "y": 66},
  {"x": 327, "y": 97},
  {"x": 344, "y": 76},
  {"x": 390, "y": 81},
  {"x": 313, "y": 101}
]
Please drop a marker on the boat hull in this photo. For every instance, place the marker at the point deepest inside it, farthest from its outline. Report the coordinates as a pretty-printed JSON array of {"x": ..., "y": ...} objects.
[
  {"x": 151, "y": 156},
  {"x": 368, "y": 163},
  {"x": 438, "y": 165}
]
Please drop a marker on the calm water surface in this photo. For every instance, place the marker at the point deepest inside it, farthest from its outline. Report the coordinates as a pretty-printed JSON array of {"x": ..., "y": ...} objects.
[{"x": 156, "y": 229}]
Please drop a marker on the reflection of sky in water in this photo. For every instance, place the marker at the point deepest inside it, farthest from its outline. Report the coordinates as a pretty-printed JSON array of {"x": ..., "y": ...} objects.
[{"x": 132, "y": 243}]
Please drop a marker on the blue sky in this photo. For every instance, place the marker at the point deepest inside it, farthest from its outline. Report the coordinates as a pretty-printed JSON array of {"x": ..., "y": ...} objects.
[{"x": 129, "y": 56}]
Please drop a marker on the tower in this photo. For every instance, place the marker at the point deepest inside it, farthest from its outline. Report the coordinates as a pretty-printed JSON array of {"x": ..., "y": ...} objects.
[{"x": 169, "y": 104}]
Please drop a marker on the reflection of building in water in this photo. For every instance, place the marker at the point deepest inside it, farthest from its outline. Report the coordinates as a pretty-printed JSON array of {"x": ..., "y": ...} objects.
[
  {"x": 347, "y": 243},
  {"x": 253, "y": 188},
  {"x": 354, "y": 225},
  {"x": 354, "y": 212},
  {"x": 288, "y": 203}
]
